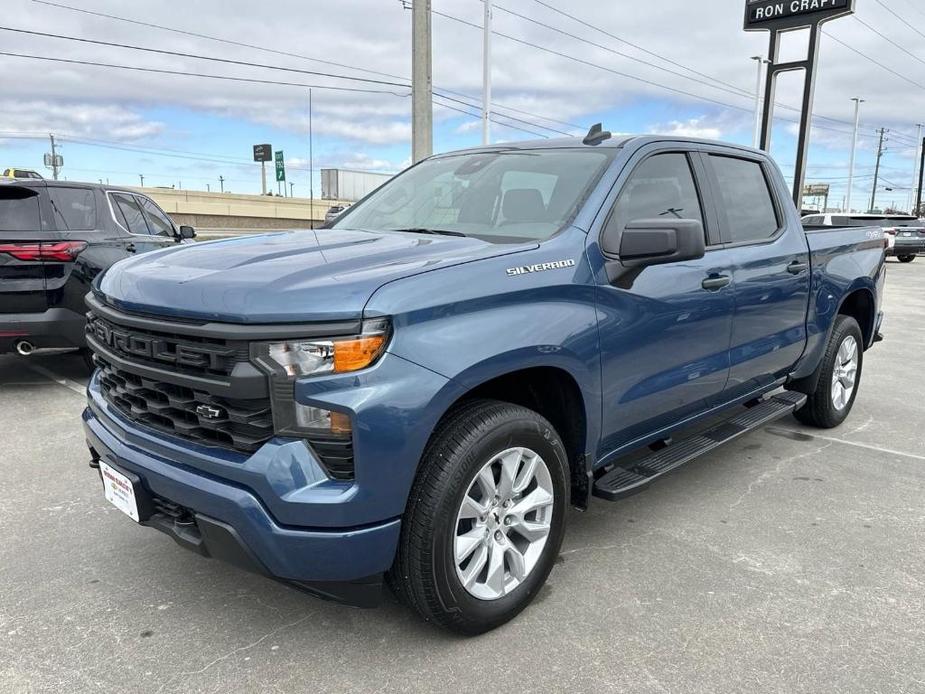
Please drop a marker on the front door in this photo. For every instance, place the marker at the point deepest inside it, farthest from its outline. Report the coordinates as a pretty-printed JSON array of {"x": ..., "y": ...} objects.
[{"x": 664, "y": 330}]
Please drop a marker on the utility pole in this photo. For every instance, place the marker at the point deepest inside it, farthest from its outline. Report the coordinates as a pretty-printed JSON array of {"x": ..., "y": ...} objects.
[
  {"x": 915, "y": 162},
  {"x": 208, "y": 189},
  {"x": 918, "y": 204},
  {"x": 486, "y": 74},
  {"x": 221, "y": 183},
  {"x": 854, "y": 149},
  {"x": 142, "y": 177},
  {"x": 54, "y": 157},
  {"x": 873, "y": 193},
  {"x": 762, "y": 61},
  {"x": 422, "y": 105}
]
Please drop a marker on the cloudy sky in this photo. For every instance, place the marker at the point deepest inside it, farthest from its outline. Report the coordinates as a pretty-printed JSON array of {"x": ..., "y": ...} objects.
[{"x": 667, "y": 66}]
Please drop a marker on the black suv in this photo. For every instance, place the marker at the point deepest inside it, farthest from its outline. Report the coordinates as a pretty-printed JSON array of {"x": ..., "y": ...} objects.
[{"x": 55, "y": 238}]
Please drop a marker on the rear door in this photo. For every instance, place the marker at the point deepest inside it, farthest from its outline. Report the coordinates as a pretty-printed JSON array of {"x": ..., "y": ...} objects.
[
  {"x": 24, "y": 227},
  {"x": 130, "y": 214},
  {"x": 771, "y": 270}
]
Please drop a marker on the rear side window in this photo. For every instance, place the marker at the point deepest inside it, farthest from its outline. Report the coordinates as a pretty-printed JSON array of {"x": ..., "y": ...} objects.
[
  {"x": 746, "y": 199},
  {"x": 132, "y": 218},
  {"x": 73, "y": 208},
  {"x": 661, "y": 187},
  {"x": 158, "y": 221},
  {"x": 19, "y": 209}
]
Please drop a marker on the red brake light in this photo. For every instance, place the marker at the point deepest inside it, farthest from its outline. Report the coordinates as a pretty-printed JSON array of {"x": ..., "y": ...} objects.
[{"x": 60, "y": 251}]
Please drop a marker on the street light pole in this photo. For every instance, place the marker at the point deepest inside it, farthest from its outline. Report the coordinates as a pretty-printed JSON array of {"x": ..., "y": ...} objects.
[
  {"x": 854, "y": 147},
  {"x": 759, "y": 87},
  {"x": 486, "y": 75},
  {"x": 422, "y": 105}
]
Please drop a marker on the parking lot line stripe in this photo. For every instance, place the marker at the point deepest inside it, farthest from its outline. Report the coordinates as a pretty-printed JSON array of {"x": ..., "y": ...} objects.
[
  {"x": 60, "y": 380},
  {"x": 856, "y": 444}
]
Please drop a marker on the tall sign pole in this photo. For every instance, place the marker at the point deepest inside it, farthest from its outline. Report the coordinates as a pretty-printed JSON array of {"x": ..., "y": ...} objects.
[
  {"x": 263, "y": 154},
  {"x": 779, "y": 17},
  {"x": 918, "y": 201},
  {"x": 422, "y": 104}
]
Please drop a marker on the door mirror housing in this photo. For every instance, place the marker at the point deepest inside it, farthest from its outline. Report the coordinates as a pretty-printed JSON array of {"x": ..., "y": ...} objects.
[
  {"x": 186, "y": 232},
  {"x": 658, "y": 241}
]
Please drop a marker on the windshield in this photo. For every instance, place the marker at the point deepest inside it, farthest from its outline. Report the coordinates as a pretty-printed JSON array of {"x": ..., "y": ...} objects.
[{"x": 501, "y": 196}]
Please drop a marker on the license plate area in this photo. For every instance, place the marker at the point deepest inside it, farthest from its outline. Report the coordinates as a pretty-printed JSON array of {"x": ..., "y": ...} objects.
[{"x": 124, "y": 491}]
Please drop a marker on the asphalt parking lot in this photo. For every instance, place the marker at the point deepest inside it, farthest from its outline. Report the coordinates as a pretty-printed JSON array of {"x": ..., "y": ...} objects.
[{"x": 789, "y": 561}]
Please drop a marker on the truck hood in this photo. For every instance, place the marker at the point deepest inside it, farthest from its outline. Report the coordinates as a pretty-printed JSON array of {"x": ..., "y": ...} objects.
[{"x": 283, "y": 277}]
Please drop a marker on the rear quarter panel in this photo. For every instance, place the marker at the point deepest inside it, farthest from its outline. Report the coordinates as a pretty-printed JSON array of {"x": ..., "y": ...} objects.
[{"x": 844, "y": 260}]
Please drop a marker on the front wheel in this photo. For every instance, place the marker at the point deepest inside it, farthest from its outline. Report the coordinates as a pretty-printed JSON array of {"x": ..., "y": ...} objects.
[
  {"x": 906, "y": 258},
  {"x": 839, "y": 378},
  {"x": 485, "y": 519}
]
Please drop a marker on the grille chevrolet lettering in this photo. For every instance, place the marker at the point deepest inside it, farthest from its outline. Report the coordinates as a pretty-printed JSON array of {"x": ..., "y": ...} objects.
[{"x": 162, "y": 349}]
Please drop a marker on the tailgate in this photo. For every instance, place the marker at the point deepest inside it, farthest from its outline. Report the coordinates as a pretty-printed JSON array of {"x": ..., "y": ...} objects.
[{"x": 22, "y": 270}]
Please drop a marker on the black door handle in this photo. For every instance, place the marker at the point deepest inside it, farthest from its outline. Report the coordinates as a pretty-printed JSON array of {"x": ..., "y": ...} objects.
[
  {"x": 715, "y": 282},
  {"x": 130, "y": 248},
  {"x": 796, "y": 267}
]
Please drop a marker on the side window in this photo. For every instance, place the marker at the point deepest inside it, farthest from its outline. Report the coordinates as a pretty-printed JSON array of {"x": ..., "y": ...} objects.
[
  {"x": 73, "y": 208},
  {"x": 746, "y": 199},
  {"x": 133, "y": 218},
  {"x": 159, "y": 222},
  {"x": 662, "y": 186}
]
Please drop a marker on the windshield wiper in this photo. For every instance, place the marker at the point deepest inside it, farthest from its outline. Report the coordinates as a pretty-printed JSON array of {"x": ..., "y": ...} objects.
[{"x": 424, "y": 230}]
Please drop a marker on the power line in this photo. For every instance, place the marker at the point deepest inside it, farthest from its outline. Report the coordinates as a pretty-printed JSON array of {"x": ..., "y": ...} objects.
[
  {"x": 874, "y": 61},
  {"x": 638, "y": 47},
  {"x": 636, "y": 78},
  {"x": 184, "y": 73},
  {"x": 182, "y": 54},
  {"x": 230, "y": 42},
  {"x": 896, "y": 14},
  {"x": 733, "y": 90},
  {"x": 290, "y": 54},
  {"x": 889, "y": 40}
]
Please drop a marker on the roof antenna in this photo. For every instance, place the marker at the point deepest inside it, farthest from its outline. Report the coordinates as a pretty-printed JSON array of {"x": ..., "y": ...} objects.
[{"x": 596, "y": 135}]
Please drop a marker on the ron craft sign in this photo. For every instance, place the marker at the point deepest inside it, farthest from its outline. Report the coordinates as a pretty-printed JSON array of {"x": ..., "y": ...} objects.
[{"x": 762, "y": 14}]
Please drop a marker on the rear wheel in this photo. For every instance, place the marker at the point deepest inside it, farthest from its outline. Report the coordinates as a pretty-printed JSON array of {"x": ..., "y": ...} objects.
[
  {"x": 839, "y": 378},
  {"x": 906, "y": 258},
  {"x": 485, "y": 519}
]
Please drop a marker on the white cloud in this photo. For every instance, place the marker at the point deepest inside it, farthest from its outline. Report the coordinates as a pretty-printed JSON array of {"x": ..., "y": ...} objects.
[{"x": 693, "y": 127}]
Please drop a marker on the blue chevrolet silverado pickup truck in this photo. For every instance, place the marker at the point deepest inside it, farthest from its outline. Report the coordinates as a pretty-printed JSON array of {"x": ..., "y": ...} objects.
[{"x": 418, "y": 393}]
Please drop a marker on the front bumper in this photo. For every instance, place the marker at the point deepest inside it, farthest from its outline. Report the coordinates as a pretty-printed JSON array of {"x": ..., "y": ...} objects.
[
  {"x": 231, "y": 523},
  {"x": 276, "y": 511}
]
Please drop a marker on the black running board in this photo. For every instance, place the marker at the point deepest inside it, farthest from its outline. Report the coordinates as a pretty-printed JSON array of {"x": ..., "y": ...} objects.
[{"x": 638, "y": 474}]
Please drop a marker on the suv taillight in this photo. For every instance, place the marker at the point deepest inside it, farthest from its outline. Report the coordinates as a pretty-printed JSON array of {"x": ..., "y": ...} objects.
[{"x": 59, "y": 251}]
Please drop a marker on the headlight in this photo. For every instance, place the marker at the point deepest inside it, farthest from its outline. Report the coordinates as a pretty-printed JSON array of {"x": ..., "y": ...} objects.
[
  {"x": 339, "y": 355},
  {"x": 328, "y": 432}
]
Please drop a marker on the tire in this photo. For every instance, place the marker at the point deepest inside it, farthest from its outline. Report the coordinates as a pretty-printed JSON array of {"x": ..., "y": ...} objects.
[
  {"x": 426, "y": 575},
  {"x": 906, "y": 258},
  {"x": 822, "y": 409}
]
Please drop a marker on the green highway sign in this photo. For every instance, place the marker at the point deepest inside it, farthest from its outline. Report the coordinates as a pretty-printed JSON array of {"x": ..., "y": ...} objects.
[{"x": 280, "y": 167}]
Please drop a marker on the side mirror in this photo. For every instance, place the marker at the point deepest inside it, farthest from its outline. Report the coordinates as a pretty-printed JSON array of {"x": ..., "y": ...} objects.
[
  {"x": 655, "y": 242},
  {"x": 186, "y": 232}
]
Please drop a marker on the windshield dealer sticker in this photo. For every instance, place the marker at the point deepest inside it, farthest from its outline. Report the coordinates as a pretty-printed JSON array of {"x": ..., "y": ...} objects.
[{"x": 540, "y": 267}]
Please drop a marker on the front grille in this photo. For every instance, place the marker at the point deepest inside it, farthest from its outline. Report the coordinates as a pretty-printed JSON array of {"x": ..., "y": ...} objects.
[
  {"x": 244, "y": 425},
  {"x": 197, "y": 356}
]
